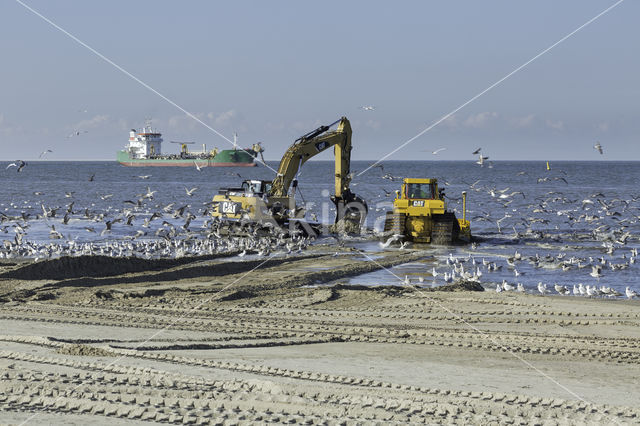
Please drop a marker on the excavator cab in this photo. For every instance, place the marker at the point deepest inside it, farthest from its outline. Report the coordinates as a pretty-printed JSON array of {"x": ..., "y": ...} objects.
[{"x": 257, "y": 187}]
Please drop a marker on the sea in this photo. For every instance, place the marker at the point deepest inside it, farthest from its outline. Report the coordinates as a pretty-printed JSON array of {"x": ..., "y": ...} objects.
[{"x": 579, "y": 214}]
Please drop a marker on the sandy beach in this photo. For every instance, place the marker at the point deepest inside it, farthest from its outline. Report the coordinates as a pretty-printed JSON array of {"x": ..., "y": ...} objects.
[{"x": 211, "y": 341}]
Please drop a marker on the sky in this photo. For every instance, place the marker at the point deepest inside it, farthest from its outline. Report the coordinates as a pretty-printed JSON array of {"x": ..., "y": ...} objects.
[{"x": 272, "y": 71}]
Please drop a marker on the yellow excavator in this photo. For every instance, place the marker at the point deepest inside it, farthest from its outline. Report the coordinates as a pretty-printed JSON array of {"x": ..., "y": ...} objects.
[
  {"x": 274, "y": 201},
  {"x": 420, "y": 215}
]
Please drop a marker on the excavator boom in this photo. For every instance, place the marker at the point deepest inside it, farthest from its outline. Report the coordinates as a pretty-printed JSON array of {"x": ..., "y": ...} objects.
[{"x": 311, "y": 144}]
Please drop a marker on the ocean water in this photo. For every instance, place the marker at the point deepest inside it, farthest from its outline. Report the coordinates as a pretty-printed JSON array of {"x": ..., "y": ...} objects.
[{"x": 587, "y": 211}]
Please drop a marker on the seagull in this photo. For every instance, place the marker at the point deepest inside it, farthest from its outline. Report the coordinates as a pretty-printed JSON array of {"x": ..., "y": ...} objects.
[
  {"x": 477, "y": 151},
  {"x": 149, "y": 193},
  {"x": 198, "y": 168},
  {"x": 630, "y": 293},
  {"x": 542, "y": 288},
  {"x": 368, "y": 107},
  {"x": 481, "y": 160},
  {"x": 43, "y": 153},
  {"x": 145, "y": 177},
  {"x": 520, "y": 288},
  {"x": 19, "y": 164},
  {"x": 507, "y": 287},
  {"x": 92, "y": 177},
  {"x": 498, "y": 288},
  {"x": 598, "y": 147},
  {"x": 437, "y": 151},
  {"x": 391, "y": 239},
  {"x": 596, "y": 271},
  {"x": 190, "y": 191},
  {"x": 77, "y": 133}
]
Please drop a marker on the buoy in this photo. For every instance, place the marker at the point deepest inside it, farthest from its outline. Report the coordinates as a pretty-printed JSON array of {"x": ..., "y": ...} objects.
[{"x": 548, "y": 166}]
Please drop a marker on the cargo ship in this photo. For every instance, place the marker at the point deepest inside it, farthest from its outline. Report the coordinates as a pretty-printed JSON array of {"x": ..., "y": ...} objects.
[{"x": 145, "y": 150}]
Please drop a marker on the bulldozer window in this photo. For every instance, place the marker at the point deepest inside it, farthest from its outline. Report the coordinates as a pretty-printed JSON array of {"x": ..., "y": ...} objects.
[{"x": 420, "y": 190}]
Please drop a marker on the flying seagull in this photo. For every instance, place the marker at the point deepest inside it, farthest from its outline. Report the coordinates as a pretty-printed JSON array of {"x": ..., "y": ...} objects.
[
  {"x": 77, "y": 133},
  {"x": 477, "y": 151},
  {"x": 598, "y": 147},
  {"x": 438, "y": 150},
  {"x": 368, "y": 107},
  {"x": 43, "y": 153},
  {"x": 19, "y": 164}
]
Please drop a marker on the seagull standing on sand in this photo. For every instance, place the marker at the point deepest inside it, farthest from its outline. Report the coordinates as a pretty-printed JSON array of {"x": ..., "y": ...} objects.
[
  {"x": 542, "y": 288},
  {"x": 630, "y": 293},
  {"x": 507, "y": 287}
]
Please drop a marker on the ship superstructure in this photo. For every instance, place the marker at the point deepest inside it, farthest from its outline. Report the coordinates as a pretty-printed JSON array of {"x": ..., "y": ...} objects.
[
  {"x": 144, "y": 144},
  {"x": 145, "y": 149}
]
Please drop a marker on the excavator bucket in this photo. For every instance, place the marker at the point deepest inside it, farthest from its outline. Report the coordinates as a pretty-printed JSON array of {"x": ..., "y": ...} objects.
[{"x": 354, "y": 209}]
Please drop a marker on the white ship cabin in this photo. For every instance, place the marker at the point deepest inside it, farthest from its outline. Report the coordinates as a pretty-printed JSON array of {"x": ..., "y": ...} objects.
[{"x": 145, "y": 143}]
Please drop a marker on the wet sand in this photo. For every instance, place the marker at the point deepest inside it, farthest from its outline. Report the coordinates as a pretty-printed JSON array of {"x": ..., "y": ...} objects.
[{"x": 209, "y": 340}]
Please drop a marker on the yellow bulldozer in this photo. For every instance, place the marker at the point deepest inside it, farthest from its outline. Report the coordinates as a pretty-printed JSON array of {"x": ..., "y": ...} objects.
[
  {"x": 420, "y": 215},
  {"x": 273, "y": 201}
]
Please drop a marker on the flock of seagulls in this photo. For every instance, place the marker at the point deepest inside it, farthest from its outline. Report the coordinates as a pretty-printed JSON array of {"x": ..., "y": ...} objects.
[
  {"x": 173, "y": 236},
  {"x": 458, "y": 270}
]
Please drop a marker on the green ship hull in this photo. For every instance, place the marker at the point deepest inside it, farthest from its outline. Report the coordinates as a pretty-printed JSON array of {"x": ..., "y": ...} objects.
[{"x": 224, "y": 158}]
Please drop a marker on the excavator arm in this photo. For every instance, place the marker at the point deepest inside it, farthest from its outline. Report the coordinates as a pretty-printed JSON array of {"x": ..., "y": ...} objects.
[{"x": 311, "y": 144}]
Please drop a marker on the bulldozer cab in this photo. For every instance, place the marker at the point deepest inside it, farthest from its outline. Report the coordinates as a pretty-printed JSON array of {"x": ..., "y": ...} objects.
[{"x": 425, "y": 190}]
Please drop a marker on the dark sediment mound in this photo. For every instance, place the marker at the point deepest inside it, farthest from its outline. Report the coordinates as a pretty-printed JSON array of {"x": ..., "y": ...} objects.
[
  {"x": 396, "y": 289},
  {"x": 458, "y": 286},
  {"x": 236, "y": 295},
  {"x": 92, "y": 266},
  {"x": 83, "y": 350}
]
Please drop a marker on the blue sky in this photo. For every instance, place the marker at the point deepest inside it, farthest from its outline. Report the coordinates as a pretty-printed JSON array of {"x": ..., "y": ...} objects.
[{"x": 271, "y": 71}]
